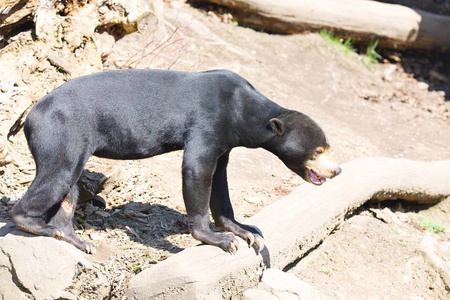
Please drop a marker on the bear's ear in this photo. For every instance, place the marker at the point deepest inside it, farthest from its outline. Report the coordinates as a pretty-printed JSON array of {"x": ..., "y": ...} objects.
[{"x": 277, "y": 126}]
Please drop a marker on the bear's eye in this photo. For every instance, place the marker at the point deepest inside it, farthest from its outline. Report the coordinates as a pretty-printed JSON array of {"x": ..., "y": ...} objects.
[{"x": 319, "y": 151}]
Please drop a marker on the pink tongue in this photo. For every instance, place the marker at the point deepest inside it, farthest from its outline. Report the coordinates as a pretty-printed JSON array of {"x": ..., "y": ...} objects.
[{"x": 314, "y": 178}]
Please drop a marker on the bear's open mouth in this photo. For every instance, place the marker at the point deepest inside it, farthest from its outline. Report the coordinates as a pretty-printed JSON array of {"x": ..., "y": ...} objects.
[{"x": 316, "y": 179}]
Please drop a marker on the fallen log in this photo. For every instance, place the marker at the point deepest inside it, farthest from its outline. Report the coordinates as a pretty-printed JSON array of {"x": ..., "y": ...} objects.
[
  {"x": 395, "y": 26},
  {"x": 291, "y": 227}
]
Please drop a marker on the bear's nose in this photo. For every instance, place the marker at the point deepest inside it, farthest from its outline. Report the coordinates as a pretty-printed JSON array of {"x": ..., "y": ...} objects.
[{"x": 337, "y": 171}]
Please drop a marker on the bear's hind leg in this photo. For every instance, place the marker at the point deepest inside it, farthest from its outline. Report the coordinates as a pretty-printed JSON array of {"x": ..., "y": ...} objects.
[
  {"x": 61, "y": 218},
  {"x": 29, "y": 213}
]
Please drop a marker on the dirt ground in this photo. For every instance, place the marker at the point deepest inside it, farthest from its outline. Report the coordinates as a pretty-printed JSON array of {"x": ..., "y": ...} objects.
[
  {"x": 374, "y": 257},
  {"x": 399, "y": 109}
]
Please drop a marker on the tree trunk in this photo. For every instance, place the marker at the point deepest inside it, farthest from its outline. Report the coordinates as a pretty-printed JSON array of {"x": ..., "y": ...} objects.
[{"x": 395, "y": 26}]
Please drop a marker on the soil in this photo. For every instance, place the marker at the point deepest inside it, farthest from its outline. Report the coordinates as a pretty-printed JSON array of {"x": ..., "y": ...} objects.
[{"x": 399, "y": 109}]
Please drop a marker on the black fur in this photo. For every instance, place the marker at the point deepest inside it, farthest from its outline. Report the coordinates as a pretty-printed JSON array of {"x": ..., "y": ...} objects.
[{"x": 134, "y": 114}]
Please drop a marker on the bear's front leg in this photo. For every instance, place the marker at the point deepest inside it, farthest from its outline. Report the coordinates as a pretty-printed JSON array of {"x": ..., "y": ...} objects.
[
  {"x": 222, "y": 210},
  {"x": 197, "y": 172}
]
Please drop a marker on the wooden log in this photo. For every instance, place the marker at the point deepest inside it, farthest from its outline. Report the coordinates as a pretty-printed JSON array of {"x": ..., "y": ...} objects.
[
  {"x": 291, "y": 227},
  {"x": 395, "y": 26}
]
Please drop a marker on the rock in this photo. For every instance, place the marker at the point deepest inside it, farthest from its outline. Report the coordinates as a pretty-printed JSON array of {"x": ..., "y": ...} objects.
[
  {"x": 438, "y": 254},
  {"x": 280, "y": 282},
  {"x": 98, "y": 201},
  {"x": 59, "y": 63},
  {"x": 369, "y": 95},
  {"x": 386, "y": 215},
  {"x": 113, "y": 179},
  {"x": 105, "y": 42},
  {"x": 89, "y": 209},
  {"x": 390, "y": 69},
  {"x": 423, "y": 86},
  {"x": 436, "y": 76},
  {"x": 8, "y": 290},
  {"x": 136, "y": 209},
  {"x": 258, "y": 294},
  {"x": 90, "y": 184},
  {"x": 102, "y": 214},
  {"x": 41, "y": 266}
]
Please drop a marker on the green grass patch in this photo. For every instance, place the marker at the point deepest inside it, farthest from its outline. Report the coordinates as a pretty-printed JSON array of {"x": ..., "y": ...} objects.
[
  {"x": 428, "y": 224},
  {"x": 369, "y": 59},
  {"x": 343, "y": 45}
]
